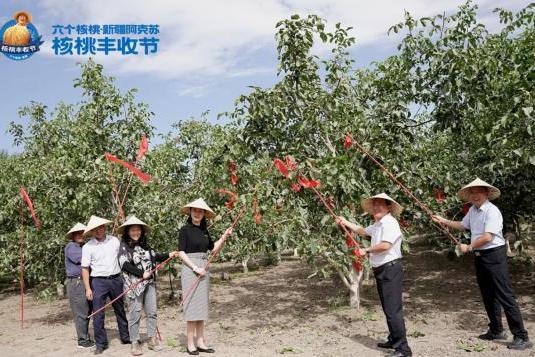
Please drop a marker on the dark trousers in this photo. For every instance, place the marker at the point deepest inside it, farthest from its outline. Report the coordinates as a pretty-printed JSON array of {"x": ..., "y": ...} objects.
[
  {"x": 389, "y": 285},
  {"x": 492, "y": 275},
  {"x": 103, "y": 289},
  {"x": 80, "y": 308}
]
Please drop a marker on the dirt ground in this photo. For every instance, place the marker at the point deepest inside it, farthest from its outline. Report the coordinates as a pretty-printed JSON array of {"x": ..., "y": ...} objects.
[{"x": 277, "y": 310}]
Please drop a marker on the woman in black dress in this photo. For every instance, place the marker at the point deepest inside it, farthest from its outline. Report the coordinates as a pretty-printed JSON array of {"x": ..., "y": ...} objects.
[{"x": 194, "y": 242}]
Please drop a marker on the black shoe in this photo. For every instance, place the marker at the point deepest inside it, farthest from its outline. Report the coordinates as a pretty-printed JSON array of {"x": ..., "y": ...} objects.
[
  {"x": 520, "y": 343},
  {"x": 194, "y": 352},
  {"x": 100, "y": 349},
  {"x": 206, "y": 350},
  {"x": 126, "y": 342},
  {"x": 86, "y": 344},
  {"x": 489, "y": 336},
  {"x": 399, "y": 354},
  {"x": 386, "y": 344}
]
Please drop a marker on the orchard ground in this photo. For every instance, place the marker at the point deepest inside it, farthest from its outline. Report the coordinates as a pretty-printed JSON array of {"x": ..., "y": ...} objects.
[{"x": 276, "y": 310}]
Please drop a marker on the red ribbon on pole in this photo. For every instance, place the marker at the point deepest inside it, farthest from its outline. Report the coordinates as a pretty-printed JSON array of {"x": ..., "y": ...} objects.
[
  {"x": 143, "y": 147},
  {"x": 30, "y": 206},
  {"x": 145, "y": 178},
  {"x": 233, "y": 177}
]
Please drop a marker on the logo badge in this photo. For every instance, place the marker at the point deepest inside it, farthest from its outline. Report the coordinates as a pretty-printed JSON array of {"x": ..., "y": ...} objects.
[{"x": 19, "y": 37}]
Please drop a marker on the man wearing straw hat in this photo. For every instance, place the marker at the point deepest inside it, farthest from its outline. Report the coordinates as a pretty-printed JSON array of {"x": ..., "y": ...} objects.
[
  {"x": 385, "y": 257},
  {"x": 100, "y": 255},
  {"x": 485, "y": 222},
  {"x": 80, "y": 306}
]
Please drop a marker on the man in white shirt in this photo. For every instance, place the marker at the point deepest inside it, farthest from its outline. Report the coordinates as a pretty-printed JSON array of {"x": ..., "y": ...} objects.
[
  {"x": 484, "y": 221},
  {"x": 385, "y": 257},
  {"x": 102, "y": 279}
]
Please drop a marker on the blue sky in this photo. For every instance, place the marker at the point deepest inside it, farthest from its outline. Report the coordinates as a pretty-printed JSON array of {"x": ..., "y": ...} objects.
[{"x": 210, "y": 51}]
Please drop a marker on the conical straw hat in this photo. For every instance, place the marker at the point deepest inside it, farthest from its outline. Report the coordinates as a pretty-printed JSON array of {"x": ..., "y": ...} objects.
[
  {"x": 494, "y": 193},
  {"x": 132, "y": 221},
  {"x": 198, "y": 203},
  {"x": 395, "y": 207},
  {"x": 93, "y": 223},
  {"x": 78, "y": 227}
]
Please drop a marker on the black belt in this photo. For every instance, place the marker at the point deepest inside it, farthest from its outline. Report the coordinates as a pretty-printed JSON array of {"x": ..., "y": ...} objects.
[
  {"x": 73, "y": 277},
  {"x": 481, "y": 252},
  {"x": 386, "y": 265},
  {"x": 107, "y": 277}
]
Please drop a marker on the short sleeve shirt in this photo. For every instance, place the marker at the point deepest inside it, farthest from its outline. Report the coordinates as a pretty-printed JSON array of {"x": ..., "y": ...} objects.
[
  {"x": 101, "y": 257},
  {"x": 385, "y": 230},
  {"x": 485, "y": 219}
]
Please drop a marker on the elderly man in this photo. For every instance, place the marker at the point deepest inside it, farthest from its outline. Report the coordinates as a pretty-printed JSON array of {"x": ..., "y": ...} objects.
[
  {"x": 385, "y": 258},
  {"x": 99, "y": 255},
  {"x": 75, "y": 288},
  {"x": 485, "y": 222}
]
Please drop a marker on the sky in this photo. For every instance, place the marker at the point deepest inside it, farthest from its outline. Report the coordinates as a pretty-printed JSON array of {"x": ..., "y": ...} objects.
[{"x": 210, "y": 52}]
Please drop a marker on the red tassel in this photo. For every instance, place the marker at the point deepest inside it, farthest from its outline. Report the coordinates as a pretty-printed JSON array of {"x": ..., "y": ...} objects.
[
  {"x": 296, "y": 187},
  {"x": 233, "y": 177},
  {"x": 143, "y": 147},
  {"x": 439, "y": 195},
  {"x": 279, "y": 165},
  {"x": 233, "y": 197},
  {"x": 307, "y": 183},
  {"x": 256, "y": 213},
  {"x": 30, "y": 206},
  {"x": 348, "y": 141},
  {"x": 141, "y": 175},
  {"x": 290, "y": 163}
]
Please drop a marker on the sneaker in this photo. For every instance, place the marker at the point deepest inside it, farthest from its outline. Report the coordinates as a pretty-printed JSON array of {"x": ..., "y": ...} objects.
[
  {"x": 520, "y": 344},
  {"x": 489, "y": 336},
  {"x": 100, "y": 349},
  {"x": 86, "y": 344},
  {"x": 136, "y": 349},
  {"x": 154, "y": 344}
]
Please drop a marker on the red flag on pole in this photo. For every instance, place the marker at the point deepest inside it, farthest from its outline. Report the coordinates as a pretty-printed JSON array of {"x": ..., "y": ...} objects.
[
  {"x": 145, "y": 178},
  {"x": 30, "y": 206},
  {"x": 279, "y": 165},
  {"x": 307, "y": 183}
]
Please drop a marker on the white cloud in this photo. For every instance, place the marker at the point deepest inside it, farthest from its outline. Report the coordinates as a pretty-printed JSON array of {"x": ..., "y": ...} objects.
[{"x": 220, "y": 39}]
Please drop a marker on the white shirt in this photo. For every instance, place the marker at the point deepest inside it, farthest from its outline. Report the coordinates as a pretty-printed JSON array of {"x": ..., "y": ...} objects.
[
  {"x": 385, "y": 230},
  {"x": 485, "y": 219},
  {"x": 101, "y": 257}
]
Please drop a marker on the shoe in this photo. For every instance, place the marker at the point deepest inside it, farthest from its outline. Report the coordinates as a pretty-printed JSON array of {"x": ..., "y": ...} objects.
[
  {"x": 100, "y": 349},
  {"x": 136, "y": 349},
  {"x": 194, "y": 352},
  {"x": 125, "y": 342},
  {"x": 520, "y": 344},
  {"x": 489, "y": 336},
  {"x": 86, "y": 344},
  {"x": 399, "y": 354},
  {"x": 206, "y": 350},
  {"x": 386, "y": 344},
  {"x": 154, "y": 344}
]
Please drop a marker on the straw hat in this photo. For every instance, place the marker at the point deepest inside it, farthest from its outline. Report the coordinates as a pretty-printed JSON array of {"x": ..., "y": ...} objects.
[
  {"x": 95, "y": 222},
  {"x": 25, "y": 13},
  {"x": 395, "y": 207},
  {"x": 78, "y": 227},
  {"x": 198, "y": 203},
  {"x": 494, "y": 193},
  {"x": 133, "y": 221}
]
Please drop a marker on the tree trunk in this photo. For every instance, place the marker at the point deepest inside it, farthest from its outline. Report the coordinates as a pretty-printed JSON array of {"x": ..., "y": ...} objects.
[
  {"x": 355, "y": 282},
  {"x": 244, "y": 262},
  {"x": 296, "y": 254}
]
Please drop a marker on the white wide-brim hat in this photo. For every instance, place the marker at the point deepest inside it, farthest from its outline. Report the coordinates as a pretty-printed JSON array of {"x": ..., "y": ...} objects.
[
  {"x": 78, "y": 227},
  {"x": 395, "y": 208},
  {"x": 95, "y": 222},
  {"x": 494, "y": 193},
  {"x": 133, "y": 221},
  {"x": 198, "y": 203}
]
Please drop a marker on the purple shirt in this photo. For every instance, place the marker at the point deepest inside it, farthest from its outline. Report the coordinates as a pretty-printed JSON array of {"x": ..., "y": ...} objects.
[{"x": 73, "y": 258}]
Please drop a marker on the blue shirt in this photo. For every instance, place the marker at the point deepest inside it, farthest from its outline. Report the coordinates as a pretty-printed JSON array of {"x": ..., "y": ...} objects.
[
  {"x": 485, "y": 219},
  {"x": 73, "y": 258}
]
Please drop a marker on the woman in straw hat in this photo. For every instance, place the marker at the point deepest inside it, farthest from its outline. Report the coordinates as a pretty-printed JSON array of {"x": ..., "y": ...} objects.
[
  {"x": 485, "y": 222},
  {"x": 80, "y": 306},
  {"x": 137, "y": 259},
  {"x": 194, "y": 242},
  {"x": 385, "y": 258},
  {"x": 99, "y": 261}
]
